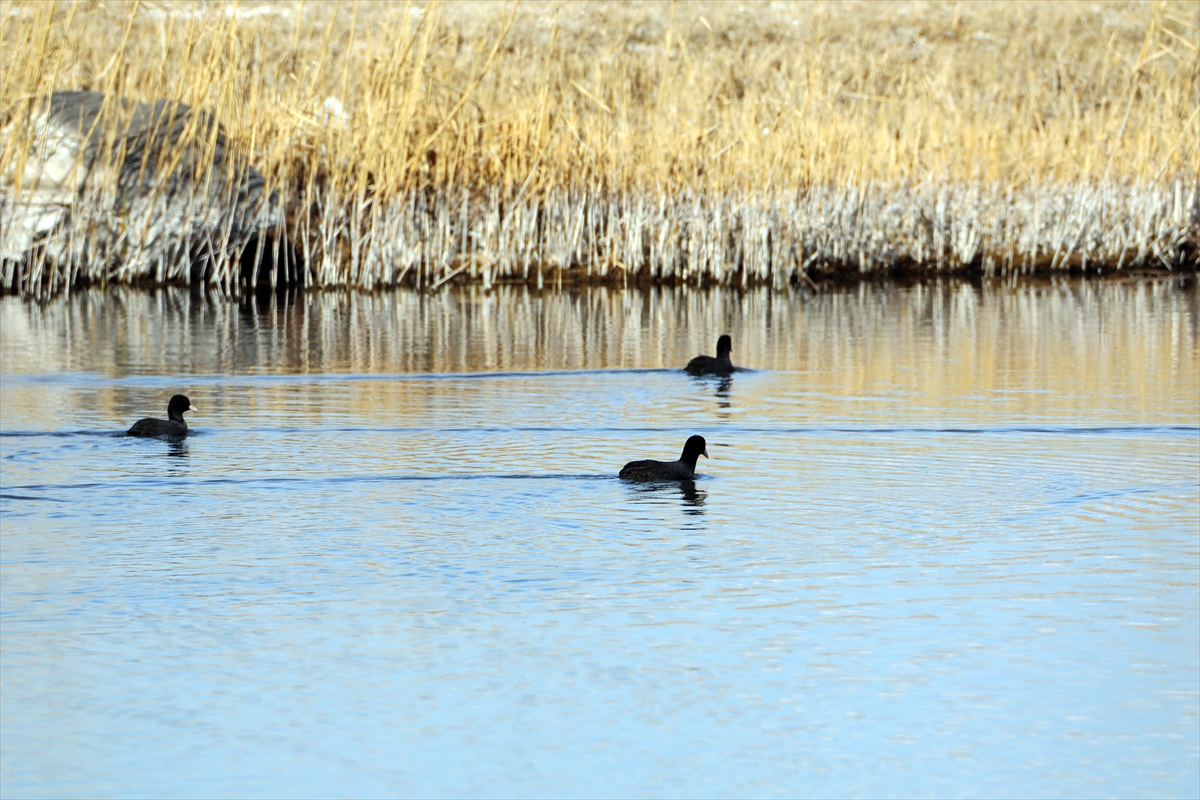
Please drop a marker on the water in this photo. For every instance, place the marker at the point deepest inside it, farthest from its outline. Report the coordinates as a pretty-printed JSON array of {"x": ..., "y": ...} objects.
[{"x": 946, "y": 545}]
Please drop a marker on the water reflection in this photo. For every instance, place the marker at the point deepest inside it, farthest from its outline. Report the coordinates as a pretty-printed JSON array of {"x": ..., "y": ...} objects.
[
  {"x": 685, "y": 493},
  {"x": 724, "y": 385},
  {"x": 177, "y": 448},
  {"x": 940, "y": 343},
  {"x": 693, "y": 498},
  {"x": 952, "y": 331}
]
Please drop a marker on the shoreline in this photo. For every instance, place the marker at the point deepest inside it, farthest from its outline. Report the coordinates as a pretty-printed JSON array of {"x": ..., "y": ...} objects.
[{"x": 1184, "y": 280}]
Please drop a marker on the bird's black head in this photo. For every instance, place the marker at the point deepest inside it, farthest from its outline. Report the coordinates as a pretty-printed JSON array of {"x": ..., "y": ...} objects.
[
  {"x": 724, "y": 346},
  {"x": 693, "y": 448},
  {"x": 179, "y": 404}
]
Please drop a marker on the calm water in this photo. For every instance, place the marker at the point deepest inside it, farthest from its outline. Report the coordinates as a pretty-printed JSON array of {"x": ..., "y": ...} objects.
[{"x": 946, "y": 545}]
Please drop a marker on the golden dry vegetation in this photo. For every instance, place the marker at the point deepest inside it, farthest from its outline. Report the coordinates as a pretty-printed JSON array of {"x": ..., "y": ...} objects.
[{"x": 687, "y": 142}]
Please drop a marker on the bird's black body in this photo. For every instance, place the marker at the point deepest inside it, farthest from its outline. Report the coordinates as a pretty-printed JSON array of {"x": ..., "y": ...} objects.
[
  {"x": 707, "y": 365},
  {"x": 173, "y": 426},
  {"x": 682, "y": 470}
]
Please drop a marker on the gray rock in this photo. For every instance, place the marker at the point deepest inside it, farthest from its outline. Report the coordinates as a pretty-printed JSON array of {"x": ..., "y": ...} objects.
[{"x": 124, "y": 191}]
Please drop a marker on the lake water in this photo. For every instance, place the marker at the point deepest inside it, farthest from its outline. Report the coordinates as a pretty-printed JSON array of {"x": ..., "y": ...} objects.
[{"x": 947, "y": 544}]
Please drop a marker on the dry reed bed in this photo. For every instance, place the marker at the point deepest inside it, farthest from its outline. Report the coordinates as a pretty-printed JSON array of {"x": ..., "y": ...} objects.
[
  {"x": 750, "y": 238},
  {"x": 684, "y": 142}
]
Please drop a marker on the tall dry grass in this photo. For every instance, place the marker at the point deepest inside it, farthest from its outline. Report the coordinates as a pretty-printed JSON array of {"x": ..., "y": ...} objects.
[{"x": 736, "y": 143}]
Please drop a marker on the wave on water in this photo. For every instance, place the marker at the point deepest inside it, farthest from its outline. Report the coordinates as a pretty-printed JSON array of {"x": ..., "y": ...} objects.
[
  {"x": 111, "y": 434},
  {"x": 322, "y": 480},
  {"x": 1193, "y": 430},
  {"x": 157, "y": 380}
]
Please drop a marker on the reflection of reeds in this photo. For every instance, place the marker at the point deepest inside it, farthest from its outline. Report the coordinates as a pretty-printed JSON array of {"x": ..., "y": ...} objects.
[
  {"x": 433, "y": 143},
  {"x": 846, "y": 337},
  {"x": 957, "y": 352}
]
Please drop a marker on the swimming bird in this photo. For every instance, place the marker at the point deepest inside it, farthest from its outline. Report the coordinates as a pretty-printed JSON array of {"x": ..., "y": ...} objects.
[
  {"x": 682, "y": 470},
  {"x": 707, "y": 365},
  {"x": 172, "y": 426}
]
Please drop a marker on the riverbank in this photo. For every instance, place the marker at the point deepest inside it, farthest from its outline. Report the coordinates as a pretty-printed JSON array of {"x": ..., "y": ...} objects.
[{"x": 663, "y": 143}]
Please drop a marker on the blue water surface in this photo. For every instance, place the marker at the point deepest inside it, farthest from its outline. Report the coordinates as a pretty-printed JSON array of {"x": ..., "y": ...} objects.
[{"x": 946, "y": 545}]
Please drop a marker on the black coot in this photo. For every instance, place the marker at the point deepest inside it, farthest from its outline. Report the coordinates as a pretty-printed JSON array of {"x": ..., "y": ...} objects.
[
  {"x": 707, "y": 365},
  {"x": 682, "y": 470},
  {"x": 172, "y": 426}
]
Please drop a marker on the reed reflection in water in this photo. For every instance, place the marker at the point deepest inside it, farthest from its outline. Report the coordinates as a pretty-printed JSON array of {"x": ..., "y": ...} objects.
[{"x": 945, "y": 544}]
